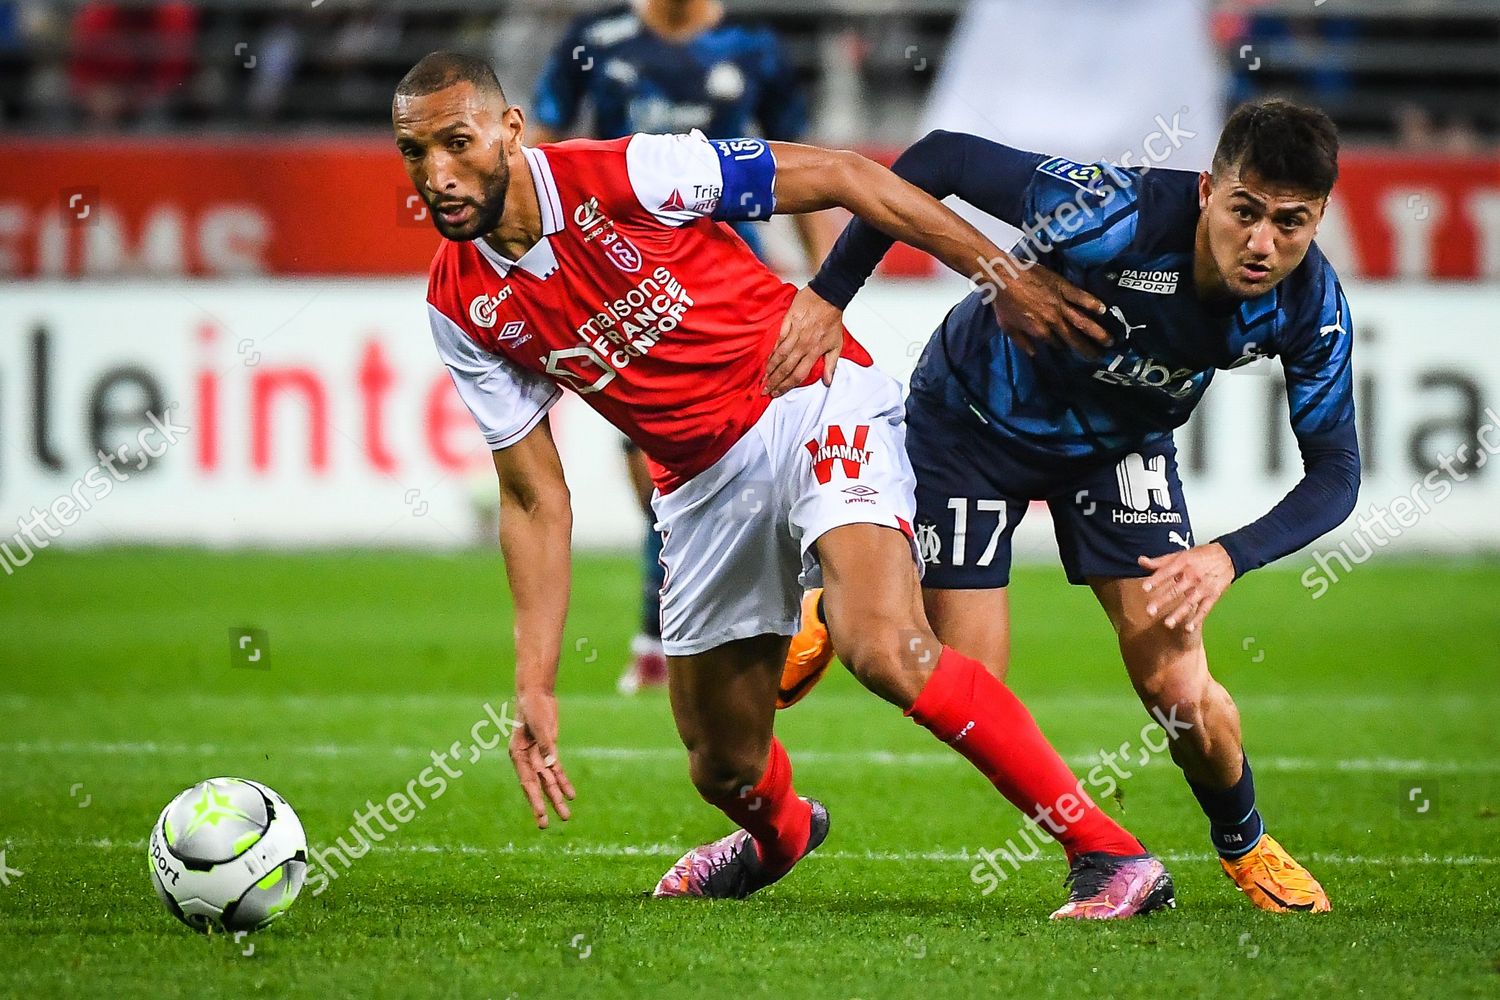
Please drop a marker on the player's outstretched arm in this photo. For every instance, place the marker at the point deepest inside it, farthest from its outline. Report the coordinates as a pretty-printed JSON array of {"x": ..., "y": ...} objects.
[
  {"x": 992, "y": 177},
  {"x": 1034, "y": 307},
  {"x": 1320, "y": 400},
  {"x": 536, "y": 530}
]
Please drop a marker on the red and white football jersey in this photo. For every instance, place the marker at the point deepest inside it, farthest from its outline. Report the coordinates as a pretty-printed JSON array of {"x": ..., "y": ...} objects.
[{"x": 637, "y": 298}]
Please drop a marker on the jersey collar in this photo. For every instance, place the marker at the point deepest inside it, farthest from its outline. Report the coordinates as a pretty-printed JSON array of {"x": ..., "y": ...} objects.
[{"x": 540, "y": 261}]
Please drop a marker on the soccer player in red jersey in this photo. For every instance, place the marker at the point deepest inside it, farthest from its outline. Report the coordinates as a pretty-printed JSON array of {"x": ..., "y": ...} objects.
[{"x": 605, "y": 267}]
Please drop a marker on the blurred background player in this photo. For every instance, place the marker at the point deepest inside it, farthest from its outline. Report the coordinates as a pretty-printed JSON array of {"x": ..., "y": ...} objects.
[
  {"x": 662, "y": 66},
  {"x": 1200, "y": 272}
]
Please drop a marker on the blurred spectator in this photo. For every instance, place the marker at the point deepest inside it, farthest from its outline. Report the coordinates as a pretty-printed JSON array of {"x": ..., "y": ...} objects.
[
  {"x": 1093, "y": 94},
  {"x": 278, "y": 51},
  {"x": 10, "y": 28},
  {"x": 30, "y": 74},
  {"x": 359, "y": 43},
  {"x": 127, "y": 63}
]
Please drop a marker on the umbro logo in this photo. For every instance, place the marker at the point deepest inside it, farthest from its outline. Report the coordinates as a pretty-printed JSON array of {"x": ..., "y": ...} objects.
[{"x": 1155, "y": 282}]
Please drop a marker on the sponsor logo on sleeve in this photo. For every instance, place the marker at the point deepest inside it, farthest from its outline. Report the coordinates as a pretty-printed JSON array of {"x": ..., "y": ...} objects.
[
  {"x": 739, "y": 149},
  {"x": 1081, "y": 175}
]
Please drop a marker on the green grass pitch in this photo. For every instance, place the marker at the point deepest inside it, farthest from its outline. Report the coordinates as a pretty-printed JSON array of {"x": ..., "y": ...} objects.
[{"x": 118, "y": 691}]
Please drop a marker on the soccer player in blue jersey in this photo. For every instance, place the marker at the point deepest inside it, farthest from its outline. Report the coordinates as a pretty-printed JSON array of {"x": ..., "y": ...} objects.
[
  {"x": 1199, "y": 272},
  {"x": 672, "y": 66}
]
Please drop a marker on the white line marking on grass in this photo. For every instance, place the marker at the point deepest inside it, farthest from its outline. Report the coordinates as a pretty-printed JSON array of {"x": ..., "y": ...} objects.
[
  {"x": 876, "y": 758},
  {"x": 663, "y": 849}
]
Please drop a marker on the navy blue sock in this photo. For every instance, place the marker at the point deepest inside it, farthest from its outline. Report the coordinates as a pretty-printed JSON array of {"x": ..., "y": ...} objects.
[{"x": 1234, "y": 824}]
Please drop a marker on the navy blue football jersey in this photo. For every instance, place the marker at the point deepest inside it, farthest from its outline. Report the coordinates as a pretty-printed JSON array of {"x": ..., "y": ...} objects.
[
  {"x": 730, "y": 80},
  {"x": 1127, "y": 236}
]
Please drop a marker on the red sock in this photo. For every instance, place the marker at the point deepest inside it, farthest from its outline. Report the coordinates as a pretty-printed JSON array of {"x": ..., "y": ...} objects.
[
  {"x": 963, "y": 705},
  {"x": 777, "y": 819}
]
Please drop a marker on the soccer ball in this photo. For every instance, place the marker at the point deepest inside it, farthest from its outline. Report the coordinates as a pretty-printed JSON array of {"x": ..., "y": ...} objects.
[{"x": 227, "y": 854}]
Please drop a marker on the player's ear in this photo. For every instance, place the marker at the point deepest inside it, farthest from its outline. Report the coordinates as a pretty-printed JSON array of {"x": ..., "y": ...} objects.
[
  {"x": 1205, "y": 187},
  {"x": 514, "y": 123},
  {"x": 1320, "y": 211}
]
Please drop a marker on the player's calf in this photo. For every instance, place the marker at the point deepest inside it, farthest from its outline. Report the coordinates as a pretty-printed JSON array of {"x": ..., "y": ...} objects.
[
  {"x": 723, "y": 702},
  {"x": 1169, "y": 670},
  {"x": 1199, "y": 718},
  {"x": 882, "y": 634}
]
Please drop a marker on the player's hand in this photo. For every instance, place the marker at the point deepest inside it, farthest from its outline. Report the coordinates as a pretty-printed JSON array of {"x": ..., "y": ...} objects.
[
  {"x": 533, "y": 751},
  {"x": 1039, "y": 307},
  {"x": 1184, "y": 586},
  {"x": 811, "y": 329}
]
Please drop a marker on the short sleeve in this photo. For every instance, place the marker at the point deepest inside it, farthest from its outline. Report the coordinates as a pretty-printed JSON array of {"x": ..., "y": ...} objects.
[
  {"x": 506, "y": 401},
  {"x": 679, "y": 178}
]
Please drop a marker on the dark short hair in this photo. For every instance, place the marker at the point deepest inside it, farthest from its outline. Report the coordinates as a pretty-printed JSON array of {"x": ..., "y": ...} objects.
[
  {"x": 1281, "y": 143},
  {"x": 441, "y": 70}
]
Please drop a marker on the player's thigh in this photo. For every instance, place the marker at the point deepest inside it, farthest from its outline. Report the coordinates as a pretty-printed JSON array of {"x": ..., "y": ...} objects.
[
  {"x": 842, "y": 453},
  {"x": 724, "y": 703},
  {"x": 976, "y": 623},
  {"x": 872, "y": 600},
  {"x": 966, "y": 517},
  {"x": 729, "y": 563},
  {"x": 870, "y": 583},
  {"x": 1109, "y": 517},
  {"x": 1166, "y": 666}
]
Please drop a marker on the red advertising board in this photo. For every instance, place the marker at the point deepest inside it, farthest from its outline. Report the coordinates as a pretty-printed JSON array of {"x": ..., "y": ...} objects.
[
  {"x": 241, "y": 206},
  {"x": 208, "y": 208}
]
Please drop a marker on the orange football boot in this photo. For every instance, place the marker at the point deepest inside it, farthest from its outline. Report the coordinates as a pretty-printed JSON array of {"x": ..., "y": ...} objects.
[
  {"x": 1274, "y": 881},
  {"x": 808, "y": 656}
]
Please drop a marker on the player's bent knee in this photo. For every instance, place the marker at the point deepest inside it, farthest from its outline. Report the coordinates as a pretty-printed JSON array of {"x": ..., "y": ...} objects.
[
  {"x": 1172, "y": 698},
  {"x": 1181, "y": 703},
  {"x": 889, "y": 660},
  {"x": 719, "y": 775}
]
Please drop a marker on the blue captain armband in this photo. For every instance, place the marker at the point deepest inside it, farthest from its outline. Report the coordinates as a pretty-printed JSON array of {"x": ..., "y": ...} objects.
[{"x": 749, "y": 174}]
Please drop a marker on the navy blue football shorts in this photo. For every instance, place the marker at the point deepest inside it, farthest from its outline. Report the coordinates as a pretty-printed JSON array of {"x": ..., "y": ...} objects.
[{"x": 972, "y": 492}]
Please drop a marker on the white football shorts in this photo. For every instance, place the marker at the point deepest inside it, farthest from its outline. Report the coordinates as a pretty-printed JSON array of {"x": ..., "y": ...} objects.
[{"x": 738, "y": 537}]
